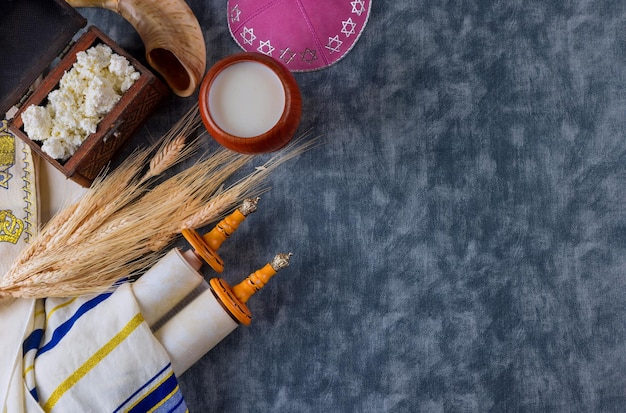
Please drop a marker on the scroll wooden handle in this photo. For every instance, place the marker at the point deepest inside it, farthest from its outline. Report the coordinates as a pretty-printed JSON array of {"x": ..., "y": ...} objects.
[
  {"x": 206, "y": 246},
  {"x": 223, "y": 230},
  {"x": 233, "y": 299},
  {"x": 257, "y": 280}
]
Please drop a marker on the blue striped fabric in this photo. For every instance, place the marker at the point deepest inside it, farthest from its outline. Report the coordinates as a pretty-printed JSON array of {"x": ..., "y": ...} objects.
[
  {"x": 32, "y": 341},
  {"x": 162, "y": 395},
  {"x": 61, "y": 331},
  {"x": 97, "y": 354},
  {"x": 30, "y": 348}
]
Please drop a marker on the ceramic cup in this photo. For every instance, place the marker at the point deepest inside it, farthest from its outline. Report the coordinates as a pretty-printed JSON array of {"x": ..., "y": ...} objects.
[{"x": 250, "y": 103}]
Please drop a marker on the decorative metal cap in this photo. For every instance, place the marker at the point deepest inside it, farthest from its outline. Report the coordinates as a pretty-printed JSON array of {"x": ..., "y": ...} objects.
[
  {"x": 281, "y": 261},
  {"x": 249, "y": 206}
]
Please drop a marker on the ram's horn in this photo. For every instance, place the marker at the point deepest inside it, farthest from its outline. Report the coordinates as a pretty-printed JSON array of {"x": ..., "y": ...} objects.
[{"x": 171, "y": 35}]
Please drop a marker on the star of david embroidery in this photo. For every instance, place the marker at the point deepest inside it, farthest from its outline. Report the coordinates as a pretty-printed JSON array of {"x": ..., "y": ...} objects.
[
  {"x": 334, "y": 44},
  {"x": 248, "y": 36},
  {"x": 287, "y": 55},
  {"x": 358, "y": 7},
  {"x": 235, "y": 13},
  {"x": 5, "y": 177},
  {"x": 348, "y": 27},
  {"x": 265, "y": 47},
  {"x": 308, "y": 55}
]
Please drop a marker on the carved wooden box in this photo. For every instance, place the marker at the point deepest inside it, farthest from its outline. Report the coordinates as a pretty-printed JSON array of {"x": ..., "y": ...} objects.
[{"x": 132, "y": 110}]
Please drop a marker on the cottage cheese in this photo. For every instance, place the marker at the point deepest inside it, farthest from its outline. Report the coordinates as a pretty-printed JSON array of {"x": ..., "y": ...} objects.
[{"x": 86, "y": 93}]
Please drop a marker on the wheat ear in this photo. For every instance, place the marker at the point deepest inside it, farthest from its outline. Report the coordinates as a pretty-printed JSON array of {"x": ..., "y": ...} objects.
[{"x": 132, "y": 217}]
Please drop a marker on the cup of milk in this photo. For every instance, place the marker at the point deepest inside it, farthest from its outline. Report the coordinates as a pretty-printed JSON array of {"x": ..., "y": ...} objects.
[{"x": 250, "y": 103}]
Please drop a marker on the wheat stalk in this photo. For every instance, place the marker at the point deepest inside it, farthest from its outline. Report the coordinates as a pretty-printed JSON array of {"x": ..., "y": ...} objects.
[
  {"x": 166, "y": 157},
  {"x": 117, "y": 230},
  {"x": 211, "y": 211},
  {"x": 173, "y": 148},
  {"x": 103, "y": 198}
]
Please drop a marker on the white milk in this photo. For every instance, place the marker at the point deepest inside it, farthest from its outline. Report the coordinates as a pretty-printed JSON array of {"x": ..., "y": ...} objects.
[{"x": 246, "y": 99}]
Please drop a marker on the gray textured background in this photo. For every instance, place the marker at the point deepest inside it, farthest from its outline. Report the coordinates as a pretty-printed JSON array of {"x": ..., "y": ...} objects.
[{"x": 459, "y": 237}]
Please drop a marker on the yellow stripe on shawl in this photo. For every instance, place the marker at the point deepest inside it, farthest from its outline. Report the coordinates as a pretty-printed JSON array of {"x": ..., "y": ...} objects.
[
  {"x": 40, "y": 309},
  {"x": 156, "y": 386},
  {"x": 92, "y": 362},
  {"x": 58, "y": 307},
  {"x": 28, "y": 370},
  {"x": 166, "y": 398}
]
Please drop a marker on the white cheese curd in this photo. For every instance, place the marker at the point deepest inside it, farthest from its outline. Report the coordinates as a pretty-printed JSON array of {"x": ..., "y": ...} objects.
[
  {"x": 100, "y": 97},
  {"x": 86, "y": 93},
  {"x": 37, "y": 122}
]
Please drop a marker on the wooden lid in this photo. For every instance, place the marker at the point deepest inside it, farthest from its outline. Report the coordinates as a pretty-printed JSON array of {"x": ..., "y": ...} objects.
[
  {"x": 231, "y": 304},
  {"x": 32, "y": 35}
]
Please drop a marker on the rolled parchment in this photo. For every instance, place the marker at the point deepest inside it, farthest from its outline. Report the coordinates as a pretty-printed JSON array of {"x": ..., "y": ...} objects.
[
  {"x": 195, "y": 330},
  {"x": 165, "y": 285},
  {"x": 211, "y": 316}
]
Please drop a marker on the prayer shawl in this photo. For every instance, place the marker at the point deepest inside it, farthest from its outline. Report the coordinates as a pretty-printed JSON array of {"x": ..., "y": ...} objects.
[
  {"x": 90, "y": 353},
  {"x": 18, "y": 197},
  {"x": 86, "y": 354},
  {"x": 19, "y": 219}
]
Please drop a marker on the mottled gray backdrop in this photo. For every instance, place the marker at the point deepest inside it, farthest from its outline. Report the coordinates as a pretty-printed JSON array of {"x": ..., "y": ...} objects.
[{"x": 459, "y": 236}]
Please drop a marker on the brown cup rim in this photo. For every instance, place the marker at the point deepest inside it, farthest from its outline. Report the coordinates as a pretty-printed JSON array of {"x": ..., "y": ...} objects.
[{"x": 275, "y": 138}]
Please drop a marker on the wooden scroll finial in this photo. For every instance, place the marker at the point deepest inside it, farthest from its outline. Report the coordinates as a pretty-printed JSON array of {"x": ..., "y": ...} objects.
[
  {"x": 234, "y": 299},
  {"x": 206, "y": 246}
]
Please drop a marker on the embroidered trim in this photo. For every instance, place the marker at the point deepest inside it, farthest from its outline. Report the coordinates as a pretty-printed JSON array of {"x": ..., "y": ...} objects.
[{"x": 27, "y": 179}]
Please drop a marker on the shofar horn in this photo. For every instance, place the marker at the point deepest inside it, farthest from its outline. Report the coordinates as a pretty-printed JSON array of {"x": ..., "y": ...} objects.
[{"x": 171, "y": 35}]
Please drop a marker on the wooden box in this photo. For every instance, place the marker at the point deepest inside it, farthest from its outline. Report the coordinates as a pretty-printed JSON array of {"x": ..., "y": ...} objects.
[{"x": 115, "y": 128}]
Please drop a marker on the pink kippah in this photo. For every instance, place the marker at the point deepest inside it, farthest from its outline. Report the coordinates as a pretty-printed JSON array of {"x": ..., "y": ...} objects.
[{"x": 302, "y": 34}]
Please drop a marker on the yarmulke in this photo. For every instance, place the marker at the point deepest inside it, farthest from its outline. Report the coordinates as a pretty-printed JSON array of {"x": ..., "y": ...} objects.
[{"x": 302, "y": 34}]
